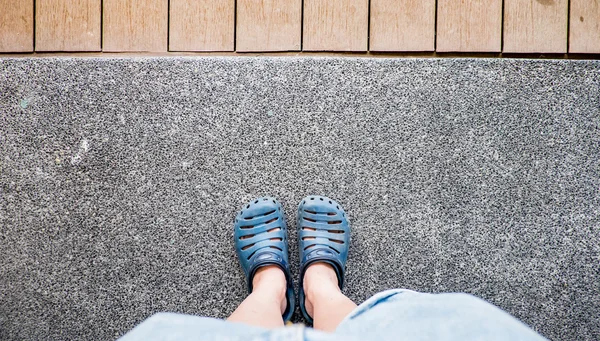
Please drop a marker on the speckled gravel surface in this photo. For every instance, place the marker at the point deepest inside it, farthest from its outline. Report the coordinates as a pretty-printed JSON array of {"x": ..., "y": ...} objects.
[{"x": 120, "y": 178}]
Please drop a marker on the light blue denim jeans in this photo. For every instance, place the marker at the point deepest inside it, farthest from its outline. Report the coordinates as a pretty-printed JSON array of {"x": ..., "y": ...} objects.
[{"x": 397, "y": 314}]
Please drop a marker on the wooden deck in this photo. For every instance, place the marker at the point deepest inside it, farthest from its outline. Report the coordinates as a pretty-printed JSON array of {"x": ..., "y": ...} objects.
[{"x": 497, "y": 26}]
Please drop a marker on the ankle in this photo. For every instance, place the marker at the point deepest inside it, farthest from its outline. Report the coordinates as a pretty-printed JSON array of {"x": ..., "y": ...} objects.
[
  {"x": 270, "y": 281},
  {"x": 320, "y": 281},
  {"x": 319, "y": 276}
]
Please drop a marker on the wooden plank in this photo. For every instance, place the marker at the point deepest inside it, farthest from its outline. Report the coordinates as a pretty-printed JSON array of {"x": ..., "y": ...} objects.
[
  {"x": 67, "y": 25},
  {"x": 469, "y": 26},
  {"x": 402, "y": 25},
  {"x": 584, "y": 31},
  {"x": 268, "y": 25},
  {"x": 535, "y": 26},
  {"x": 201, "y": 25},
  {"x": 135, "y": 25},
  {"x": 335, "y": 25},
  {"x": 16, "y": 26}
]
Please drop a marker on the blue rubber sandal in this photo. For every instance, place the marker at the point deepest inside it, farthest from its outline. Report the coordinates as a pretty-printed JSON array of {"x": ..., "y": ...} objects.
[
  {"x": 255, "y": 246},
  {"x": 323, "y": 236}
]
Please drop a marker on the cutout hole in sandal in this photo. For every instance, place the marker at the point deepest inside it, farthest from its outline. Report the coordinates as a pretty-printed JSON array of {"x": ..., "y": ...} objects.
[
  {"x": 336, "y": 231},
  {"x": 274, "y": 229},
  {"x": 247, "y": 237},
  {"x": 319, "y": 213},
  {"x": 309, "y": 238},
  {"x": 321, "y": 199},
  {"x": 256, "y": 202},
  {"x": 308, "y": 219},
  {"x": 247, "y": 247},
  {"x": 308, "y": 228},
  {"x": 331, "y": 213},
  {"x": 276, "y": 248},
  {"x": 336, "y": 241},
  {"x": 270, "y": 212},
  {"x": 335, "y": 222},
  {"x": 330, "y": 203},
  {"x": 247, "y": 227},
  {"x": 272, "y": 220}
]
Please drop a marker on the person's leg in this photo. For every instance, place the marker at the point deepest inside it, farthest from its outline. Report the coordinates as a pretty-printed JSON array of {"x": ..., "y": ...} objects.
[
  {"x": 264, "y": 306},
  {"x": 324, "y": 299}
]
